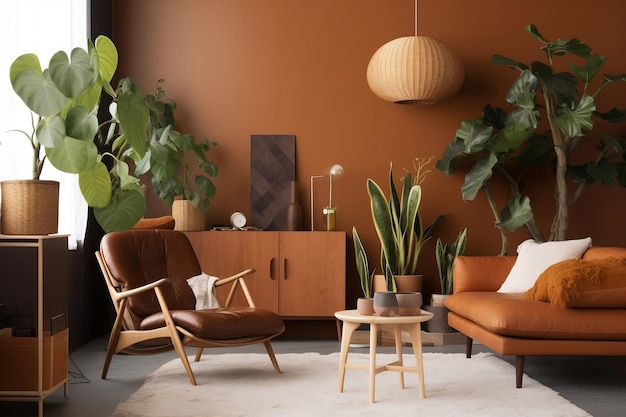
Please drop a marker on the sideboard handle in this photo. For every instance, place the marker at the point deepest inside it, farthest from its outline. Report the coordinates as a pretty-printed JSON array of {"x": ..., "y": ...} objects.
[
  {"x": 285, "y": 268},
  {"x": 272, "y": 268}
]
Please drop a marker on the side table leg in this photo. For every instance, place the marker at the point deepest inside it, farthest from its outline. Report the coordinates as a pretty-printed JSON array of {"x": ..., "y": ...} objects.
[
  {"x": 346, "y": 336},
  {"x": 373, "y": 342},
  {"x": 398, "y": 337},
  {"x": 416, "y": 341}
]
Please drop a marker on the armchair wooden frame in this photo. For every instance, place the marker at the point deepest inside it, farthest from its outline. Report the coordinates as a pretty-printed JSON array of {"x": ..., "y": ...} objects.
[{"x": 125, "y": 338}]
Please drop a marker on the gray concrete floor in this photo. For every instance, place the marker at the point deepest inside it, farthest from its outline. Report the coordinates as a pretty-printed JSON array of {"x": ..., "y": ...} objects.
[{"x": 595, "y": 384}]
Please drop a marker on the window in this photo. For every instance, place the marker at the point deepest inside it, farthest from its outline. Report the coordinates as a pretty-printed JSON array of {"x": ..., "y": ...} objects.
[{"x": 42, "y": 27}]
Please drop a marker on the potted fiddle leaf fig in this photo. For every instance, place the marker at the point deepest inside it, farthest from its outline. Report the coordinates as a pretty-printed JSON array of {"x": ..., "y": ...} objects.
[
  {"x": 181, "y": 171},
  {"x": 65, "y": 99},
  {"x": 399, "y": 227},
  {"x": 551, "y": 114}
]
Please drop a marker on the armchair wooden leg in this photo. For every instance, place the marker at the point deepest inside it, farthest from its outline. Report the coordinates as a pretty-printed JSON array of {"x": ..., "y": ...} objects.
[
  {"x": 199, "y": 354},
  {"x": 113, "y": 339},
  {"x": 270, "y": 352}
]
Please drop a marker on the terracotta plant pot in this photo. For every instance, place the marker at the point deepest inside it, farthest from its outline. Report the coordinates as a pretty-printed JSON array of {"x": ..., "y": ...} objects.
[
  {"x": 404, "y": 283},
  {"x": 365, "y": 306}
]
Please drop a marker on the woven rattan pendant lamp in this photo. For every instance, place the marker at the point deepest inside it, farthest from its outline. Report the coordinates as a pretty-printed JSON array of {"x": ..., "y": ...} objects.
[{"x": 415, "y": 70}]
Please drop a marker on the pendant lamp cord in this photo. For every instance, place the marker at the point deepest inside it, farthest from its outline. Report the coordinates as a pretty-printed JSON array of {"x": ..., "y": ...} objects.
[{"x": 415, "y": 18}]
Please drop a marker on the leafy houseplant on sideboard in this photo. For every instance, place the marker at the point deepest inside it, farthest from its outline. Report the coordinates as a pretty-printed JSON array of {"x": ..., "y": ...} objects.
[
  {"x": 399, "y": 226},
  {"x": 513, "y": 143},
  {"x": 169, "y": 153}
]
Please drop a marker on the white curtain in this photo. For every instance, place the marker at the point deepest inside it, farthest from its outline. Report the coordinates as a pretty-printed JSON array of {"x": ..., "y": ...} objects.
[{"x": 42, "y": 27}]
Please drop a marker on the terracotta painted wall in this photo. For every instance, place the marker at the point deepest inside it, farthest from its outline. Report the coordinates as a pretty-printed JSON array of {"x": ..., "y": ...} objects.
[{"x": 242, "y": 67}]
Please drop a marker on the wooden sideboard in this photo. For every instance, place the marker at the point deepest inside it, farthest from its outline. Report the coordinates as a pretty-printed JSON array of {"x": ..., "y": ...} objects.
[
  {"x": 34, "y": 339},
  {"x": 298, "y": 274}
]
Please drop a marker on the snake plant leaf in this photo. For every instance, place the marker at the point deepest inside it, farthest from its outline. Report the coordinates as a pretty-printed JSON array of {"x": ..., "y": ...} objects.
[
  {"x": 81, "y": 124},
  {"x": 362, "y": 265},
  {"x": 95, "y": 185},
  {"x": 381, "y": 215},
  {"x": 74, "y": 76},
  {"x": 123, "y": 212},
  {"x": 72, "y": 155},
  {"x": 576, "y": 122},
  {"x": 516, "y": 213},
  {"x": 478, "y": 176},
  {"x": 51, "y": 131}
]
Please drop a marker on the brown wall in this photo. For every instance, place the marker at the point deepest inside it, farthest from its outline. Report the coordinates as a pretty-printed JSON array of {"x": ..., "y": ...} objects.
[{"x": 242, "y": 67}]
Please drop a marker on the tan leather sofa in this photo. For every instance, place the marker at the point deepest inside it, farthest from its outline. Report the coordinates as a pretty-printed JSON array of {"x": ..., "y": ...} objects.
[{"x": 511, "y": 324}]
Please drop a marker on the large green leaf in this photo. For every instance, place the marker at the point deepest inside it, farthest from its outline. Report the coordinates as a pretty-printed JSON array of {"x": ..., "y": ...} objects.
[
  {"x": 510, "y": 138},
  {"x": 72, "y": 77},
  {"x": 107, "y": 57},
  {"x": 51, "y": 131},
  {"x": 38, "y": 92},
  {"x": 588, "y": 71},
  {"x": 122, "y": 213},
  {"x": 95, "y": 185},
  {"x": 478, "y": 176},
  {"x": 447, "y": 163},
  {"x": 603, "y": 171},
  {"x": 578, "y": 121},
  {"x": 72, "y": 155},
  {"x": 80, "y": 123},
  {"x": 516, "y": 213},
  {"x": 134, "y": 118}
]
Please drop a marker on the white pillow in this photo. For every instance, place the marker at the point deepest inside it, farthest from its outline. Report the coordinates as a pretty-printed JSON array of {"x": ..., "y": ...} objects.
[{"x": 533, "y": 258}]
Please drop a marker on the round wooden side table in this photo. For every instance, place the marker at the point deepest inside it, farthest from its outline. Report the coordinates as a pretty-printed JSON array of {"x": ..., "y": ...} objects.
[{"x": 411, "y": 324}]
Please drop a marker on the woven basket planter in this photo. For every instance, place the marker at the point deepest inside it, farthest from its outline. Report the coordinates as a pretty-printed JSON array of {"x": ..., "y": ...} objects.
[
  {"x": 29, "y": 207},
  {"x": 187, "y": 217}
]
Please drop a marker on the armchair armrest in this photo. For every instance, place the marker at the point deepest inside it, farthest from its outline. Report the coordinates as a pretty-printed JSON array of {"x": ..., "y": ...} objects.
[
  {"x": 481, "y": 273},
  {"x": 237, "y": 280},
  {"x": 129, "y": 293}
]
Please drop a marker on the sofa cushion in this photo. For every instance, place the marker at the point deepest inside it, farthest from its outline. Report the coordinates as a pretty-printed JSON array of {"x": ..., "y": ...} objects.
[
  {"x": 533, "y": 258},
  {"x": 594, "y": 283},
  {"x": 514, "y": 315}
]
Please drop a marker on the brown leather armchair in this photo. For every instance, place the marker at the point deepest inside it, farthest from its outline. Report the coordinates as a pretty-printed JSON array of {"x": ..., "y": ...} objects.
[{"x": 146, "y": 272}]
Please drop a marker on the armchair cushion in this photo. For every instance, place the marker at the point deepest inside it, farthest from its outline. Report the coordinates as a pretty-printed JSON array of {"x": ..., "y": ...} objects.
[{"x": 221, "y": 323}]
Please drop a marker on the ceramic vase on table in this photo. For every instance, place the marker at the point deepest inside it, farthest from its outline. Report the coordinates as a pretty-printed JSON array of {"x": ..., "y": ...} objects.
[{"x": 365, "y": 306}]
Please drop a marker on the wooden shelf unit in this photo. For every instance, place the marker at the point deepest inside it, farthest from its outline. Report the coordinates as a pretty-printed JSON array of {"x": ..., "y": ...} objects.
[{"x": 33, "y": 286}]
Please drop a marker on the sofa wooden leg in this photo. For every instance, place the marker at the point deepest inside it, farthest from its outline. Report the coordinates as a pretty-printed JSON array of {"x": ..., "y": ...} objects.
[
  {"x": 468, "y": 346},
  {"x": 519, "y": 370}
]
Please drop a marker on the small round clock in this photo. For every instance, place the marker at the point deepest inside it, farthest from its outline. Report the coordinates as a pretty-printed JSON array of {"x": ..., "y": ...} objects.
[{"x": 238, "y": 220}]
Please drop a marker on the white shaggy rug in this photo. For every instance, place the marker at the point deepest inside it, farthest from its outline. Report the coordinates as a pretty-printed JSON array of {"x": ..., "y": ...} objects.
[{"x": 245, "y": 385}]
